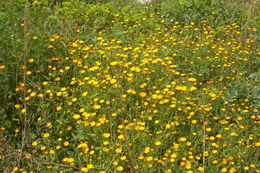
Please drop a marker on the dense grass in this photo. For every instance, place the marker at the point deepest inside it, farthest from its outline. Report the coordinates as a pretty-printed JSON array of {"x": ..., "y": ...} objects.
[{"x": 116, "y": 86}]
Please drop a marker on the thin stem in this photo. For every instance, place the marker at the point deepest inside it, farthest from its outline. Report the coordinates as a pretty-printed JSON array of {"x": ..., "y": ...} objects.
[
  {"x": 204, "y": 145},
  {"x": 24, "y": 59}
]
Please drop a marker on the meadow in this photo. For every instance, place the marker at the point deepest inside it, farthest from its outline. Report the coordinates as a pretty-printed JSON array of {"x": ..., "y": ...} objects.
[{"x": 169, "y": 86}]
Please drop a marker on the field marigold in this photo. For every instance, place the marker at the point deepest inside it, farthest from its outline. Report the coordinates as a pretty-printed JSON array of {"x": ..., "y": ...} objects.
[
  {"x": 45, "y": 83},
  {"x": 173, "y": 155},
  {"x": 157, "y": 143},
  {"x": 233, "y": 134},
  {"x": 35, "y": 143},
  {"x": 76, "y": 116},
  {"x": 120, "y": 168},
  {"x": 84, "y": 169},
  {"x": 147, "y": 150},
  {"x": 181, "y": 88},
  {"x": 23, "y": 111},
  {"x": 121, "y": 137},
  {"x": 142, "y": 94},
  {"x": 112, "y": 81},
  {"x": 46, "y": 135},
  {"x": 192, "y": 79},
  {"x": 59, "y": 108},
  {"x": 118, "y": 150},
  {"x": 96, "y": 107},
  {"x": 66, "y": 143},
  {"x": 182, "y": 139},
  {"x": 90, "y": 166},
  {"x": 193, "y": 88},
  {"x": 106, "y": 135}
]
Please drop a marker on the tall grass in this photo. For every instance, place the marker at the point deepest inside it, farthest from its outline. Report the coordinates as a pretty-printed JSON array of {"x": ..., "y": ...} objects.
[{"x": 116, "y": 86}]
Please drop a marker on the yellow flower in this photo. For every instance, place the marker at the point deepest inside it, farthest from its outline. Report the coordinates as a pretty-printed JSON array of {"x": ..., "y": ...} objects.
[
  {"x": 208, "y": 129},
  {"x": 120, "y": 168},
  {"x": 192, "y": 79},
  {"x": 112, "y": 81},
  {"x": 66, "y": 143},
  {"x": 33, "y": 94},
  {"x": 188, "y": 144},
  {"x": 46, "y": 135},
  {"x": 76, "y": 116},
  {"x": 58, "y": 108},
  {"x": 150, "y": 158},
  {"x": 106, "y": 135},
  {"x": 96, "y": 107},
  {"x": 157, "y": 143},
  {"x": 81, "y": 110},
  {"x": 212, "y": 94},
  {"x": 30, "y": 60},
  {"x": 167, "y": 126},
  {"x": 252, "y": 165},
  {"x": 172, "y": 105},
  {"x": 63, "y": 89},
  {"x": 181, "y": 88},
  {"x": 173, "y": 155},
  {"x": 84, "y": 169},
  {"x": 74, "y": 99},
  {"x": 35, "y": 143},
  {"x": 233, "y": 134},
  {"x": 131, "y": 91},
  {"x": 115, "y": 163},
  {"x": 142, "y": 94},
  {"x": 45, "y": 83},
  {"x": 114, "y": 63},
  {"x": 121, "y": 137},
  {"x": 118, "y": 150},
  {"x": 147, "y": 150},
  {"x": 59, "y": 94},
  {"x": 17, "y": 106},
  {"x": 58, "y": 147},
  {"x": 193, "y": 88},
  {"x": 70, "y": 160},
  {"x": 90, "y": 166},
  {"x": 182, "y": 139},
  {"x": 214, "y": 151},
  {"x": 219, "y": 136},
  {"x": 2, "y": 67},
  {"x": 194, "y": 121},
  {"x": 123, "y": 158},
  {"x": 43, "y": 148},
  {"x": 200, "y": 168},
  {"x": 92, "y": 152},
  {"x": 23, "y": 111},
  {"x": 168, "y": 171},
  {"x": 155, "y": 96},
  {"x": 224, "y": 170},
  {"x": 214, "y": 161},
  {"x": 84, "y": 93}
]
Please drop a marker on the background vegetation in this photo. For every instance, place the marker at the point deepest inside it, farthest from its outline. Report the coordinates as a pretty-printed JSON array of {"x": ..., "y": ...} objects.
[{"x": 119, "y": 86}]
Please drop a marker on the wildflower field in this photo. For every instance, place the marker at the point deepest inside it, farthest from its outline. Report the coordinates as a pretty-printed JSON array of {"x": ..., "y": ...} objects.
[{"x": 169, "y": 86}]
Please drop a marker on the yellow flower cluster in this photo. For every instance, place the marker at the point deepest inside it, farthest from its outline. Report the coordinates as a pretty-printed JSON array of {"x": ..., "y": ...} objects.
[{"x": 166, "y": 100}]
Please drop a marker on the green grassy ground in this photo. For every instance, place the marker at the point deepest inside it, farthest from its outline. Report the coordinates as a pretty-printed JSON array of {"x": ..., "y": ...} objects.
[{"x": 117, "y": 86}]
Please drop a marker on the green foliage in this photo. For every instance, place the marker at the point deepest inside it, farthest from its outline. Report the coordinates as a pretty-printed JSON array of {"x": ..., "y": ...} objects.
[{"x": 82, "y": 80}]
